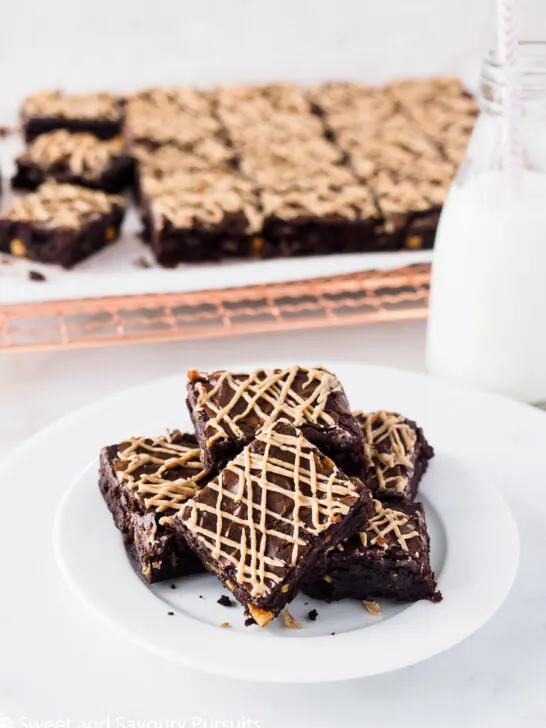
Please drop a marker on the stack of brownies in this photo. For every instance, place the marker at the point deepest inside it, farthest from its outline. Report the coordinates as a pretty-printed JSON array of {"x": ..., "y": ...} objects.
[
  {"x": 281, "y": 488},
  {"x": 246, "y": 171},
  {"x": 74, "y": 160}
]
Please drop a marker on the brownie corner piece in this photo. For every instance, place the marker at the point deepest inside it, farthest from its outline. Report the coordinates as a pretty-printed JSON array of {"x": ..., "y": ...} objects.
[
  {"x": 390, "y": 558},
  {"x": 263, "y": 521},
  {"x": 228, "y": 409},
  {"x": 60, "y": 223},
  {"x": 144, "y": 482},
  {"x": 99, "y": 113},
  {"x": 397, "y": 452},
  {"x": 74, "y": 158}
]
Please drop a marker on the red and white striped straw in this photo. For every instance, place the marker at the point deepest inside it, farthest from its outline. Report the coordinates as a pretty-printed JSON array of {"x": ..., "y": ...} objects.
[{"x": 507, "y": 51}]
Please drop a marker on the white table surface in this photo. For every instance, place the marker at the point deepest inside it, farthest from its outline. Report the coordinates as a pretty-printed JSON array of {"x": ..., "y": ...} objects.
[{"x": 36, "y": 389}]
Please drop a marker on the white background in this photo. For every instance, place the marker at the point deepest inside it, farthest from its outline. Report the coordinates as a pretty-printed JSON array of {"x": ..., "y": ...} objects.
[{"x": 126, "y": 43}]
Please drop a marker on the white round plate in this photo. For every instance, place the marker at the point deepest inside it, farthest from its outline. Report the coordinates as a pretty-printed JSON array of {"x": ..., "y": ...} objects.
[{"x": 474, "y": 553}]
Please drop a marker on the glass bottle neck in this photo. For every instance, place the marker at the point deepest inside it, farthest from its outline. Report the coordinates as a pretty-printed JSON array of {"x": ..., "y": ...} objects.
[{"x": 527, "y": 79}]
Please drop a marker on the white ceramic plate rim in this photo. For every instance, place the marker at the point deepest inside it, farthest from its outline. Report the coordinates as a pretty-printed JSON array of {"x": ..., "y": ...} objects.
[{"x": 418, "y": 633}]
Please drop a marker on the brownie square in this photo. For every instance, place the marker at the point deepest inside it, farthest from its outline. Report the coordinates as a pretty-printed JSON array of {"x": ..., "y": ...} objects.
[
  {"x": 229, "y": 409},
  {"x": 79, "y": 158},
  {"x": 60, "y": 223},
  {"x": 99, "y": 113},
  {"x": 263, "y": 521},
  {"x": 145, "y": 482},
  {"x": 398, "y": 453},
  {"x": 320, "y": 217},
  {"x": 193, "y": 217},
  {"x": 178, "y": 116},
  {"x": 390, "y": 558}
]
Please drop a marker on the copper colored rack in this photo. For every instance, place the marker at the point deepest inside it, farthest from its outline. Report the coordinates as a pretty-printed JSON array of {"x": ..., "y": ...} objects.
[{"x": 356, "y": 298}]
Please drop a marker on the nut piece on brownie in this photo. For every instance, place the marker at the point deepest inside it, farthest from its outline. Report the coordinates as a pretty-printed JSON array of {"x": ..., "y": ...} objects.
[
  {"x": 261, "y": 524},
  {"x": 229, "y": 409}
]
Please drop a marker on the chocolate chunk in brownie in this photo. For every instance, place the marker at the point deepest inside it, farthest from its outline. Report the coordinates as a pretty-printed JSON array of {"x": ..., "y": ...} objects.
[
  {"x": 398, "y": 453},
  {"x": 60, "y": 223},
  {"x": 99, "y": 113},
  {"x": 390, "y": 558},
  {"x": 263, "y": 521},
  {"x": 78, "y": 158},
  {"x": 145, "y": 482},
  {"x": 229, "y": 409}
]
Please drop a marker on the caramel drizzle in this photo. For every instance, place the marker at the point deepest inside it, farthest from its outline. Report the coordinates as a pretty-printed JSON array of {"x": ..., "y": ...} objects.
[
  {"x": 388, "y": 524},
  {"x": 61, "y": 205},
  {"x": 84, "y": 154},
  {"x": 254, "y": 567},
  {"x": 96, "y": 105},
  {"x": 273, "y": 387},
  {"x": 389, "y": 427},
  {"x": 160, "y": 493}
]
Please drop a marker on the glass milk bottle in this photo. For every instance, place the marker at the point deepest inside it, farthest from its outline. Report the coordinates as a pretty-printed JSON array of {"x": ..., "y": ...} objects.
[{"x": 487, "y": 321}]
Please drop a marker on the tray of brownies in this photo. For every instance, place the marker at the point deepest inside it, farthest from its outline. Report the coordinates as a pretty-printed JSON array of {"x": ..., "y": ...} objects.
[{"x": 181, "y": 189}]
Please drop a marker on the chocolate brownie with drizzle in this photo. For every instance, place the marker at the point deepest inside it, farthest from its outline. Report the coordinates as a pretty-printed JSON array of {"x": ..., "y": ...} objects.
[
  {"x": 390, "y": 558},
  {"x": 60, "y": 223},
  {"x": 261, "y": 524},
  {"x": 79, "y": 159},
  {"x": 99, "y": 113},
  {"x": 398, "y": 452},
  {"x": 145, "y": 482},
  {"x": 229, "y": 409}
]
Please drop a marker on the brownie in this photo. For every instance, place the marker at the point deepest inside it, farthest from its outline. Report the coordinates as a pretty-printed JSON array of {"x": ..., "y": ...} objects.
[
  {"x": 398, "y": 453},
  {"x": 320, "y": 217},
  {"x": 206, "y": 156},
  {"x": 60, "y": 223},
  {"x": 390, "y": 558},
  {"x": 405, "y": 167},
  {"x": 261, "y": 524},
  {"x": 228, "y": 409},
  {"x": 78, "y": 158},
  {"x": 192, "y": 217},
  {"x": 181, "y": 116},
  {"x": 443, "y": 109},
  {"x": 145, "y": 482},
  {"x": 99, "y": 113}
]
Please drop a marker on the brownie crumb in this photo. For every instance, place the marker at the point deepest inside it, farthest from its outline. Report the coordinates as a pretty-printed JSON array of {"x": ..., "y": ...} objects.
[
  {"x": 249, "y": 621},
  {"x": 332, "y": 633},
  {"x": 313, "y": 614},
  {"x": 173, "y": 586},
  {"x": 200, "y": 596},
  {"x": 289, "y": 620},
  {"x": 171, "y": 614},
  {"x": 225, "y": 601},
  {"x": 142, "y": 263},
  {"x": 305, "y": 604},
  {"x": 372, "y": 607},
  {"x": 225, "y": 624},
  {"x": 34, "y": 275}
]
